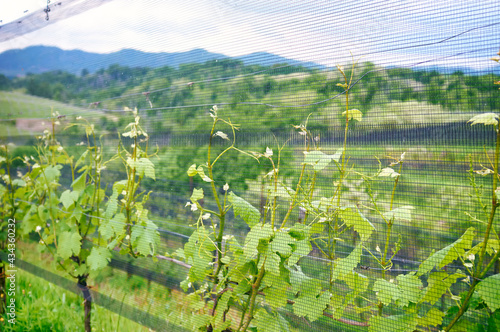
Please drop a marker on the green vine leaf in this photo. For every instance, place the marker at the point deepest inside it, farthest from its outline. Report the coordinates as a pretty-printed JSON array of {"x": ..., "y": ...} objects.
[
  {"x": 146, "y": 167},
  {"x": 69, "y": 197},
  {"x": 319, "y": 160},
  {"x": 358, "y": 284},
  {"x": 99, "y": 258},
  {"x": 257, "y": 238},
  {"x": 397, "y": 323},
  {"x": 198, "y": 252},
  {"x": 82, "y": 158},
  {"x": 449, "y": 253},
  {"x": 19, "y": 183},
  {"x": 81, "y": 270},
  {"x": 388, "y": 172},
  {"x": 489, "y": 290},
  {"x": 43, "y": 213},
  {"x": 52, "y": 173},
  {"x": 438, "y": 284},
  {"x": 346, "y": 265},
  {"x": 300, "y": 249},
  {"x": 90, "y": 129},
  {"x": 485, "y": 118},
  {"x": 386, "y": 291},
  {"x": 221, "y": 135},
  {"x": 297, "y": 277},
  {"x": 433, "y": 317},
  {"x": 410, "y": 288},
  {"x": 266, "y": 322},
  {"x": 309, "y": 293},
  {"x": 145, "y": 238},
  {"x": 406, "y": 290},
  {"x": 245, "y": 210},
  {"x": 299, "y": 231},
  {"x": 192, "y": 171},
  {"x": 143, "y": 166},
  {"x": 276, "y": 294},
  {"x": 69, "y": 244},
  {"x": 282, "y": 191},
  {"x": 354, "y": 114},
  {"x": 115, "y": 226},
  {"x": 281, "y": 243},
  {"x": 491, "y": 248},
  {"x": 112, "y": 205},
  {"x": 197, "y": 195},
  {"x": 219, "y": 322},
  {"x": 354, "y": 218},
  {"x": 402, "y": 213},
  {"x": 272, "y": 263},
  {"x": 323, "y": 204},
  {"x": 79, "y": 183},
  {"x": 356, "y": 281},
  {"x": 311, "y": 305}
]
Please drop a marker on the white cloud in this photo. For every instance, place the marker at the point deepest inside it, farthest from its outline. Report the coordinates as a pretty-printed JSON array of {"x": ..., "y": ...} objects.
[
  {"x": 13, "y": 10},
  {"x": 322, "y": 31}
]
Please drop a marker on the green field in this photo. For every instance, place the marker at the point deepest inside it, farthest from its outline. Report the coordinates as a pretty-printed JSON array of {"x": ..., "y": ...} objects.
[{"x": 26, "y": 115}]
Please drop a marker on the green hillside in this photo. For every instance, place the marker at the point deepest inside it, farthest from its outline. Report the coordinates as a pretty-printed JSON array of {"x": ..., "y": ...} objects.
[
  {"x": 22, "y": 114},
  {"x": 261, "y": 98}
]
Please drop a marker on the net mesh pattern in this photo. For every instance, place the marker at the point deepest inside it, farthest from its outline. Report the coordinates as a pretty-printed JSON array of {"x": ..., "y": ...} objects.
[{"x": 416, "y": 72}]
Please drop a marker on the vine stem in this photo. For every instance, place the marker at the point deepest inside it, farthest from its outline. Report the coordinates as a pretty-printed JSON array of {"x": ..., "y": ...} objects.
[
  {"x": 494, "y": 203},
  {"x": 463, "y": 307},
  {"x": 390, "y": 222},
  {"x": 12, "y": 199},
  {"x": 255, "y": 290},
  {"x": 294, "y": 197},
  {"x": 479, "y": 273},
  {"x": 210, "y": 166},
  {"x": 50, "y": 208},
  {"x": 221, "y": 215},
  {"x": 332, "y": 243},
  {"x": 342, "y": 170},
  {"x": 130, "y": 194},
  {"x": 96, "y": 188}
]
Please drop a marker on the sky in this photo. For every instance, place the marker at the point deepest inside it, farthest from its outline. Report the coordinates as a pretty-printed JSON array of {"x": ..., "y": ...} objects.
[
  {"x": 14, "y": 9},
  {"x": 386, "y": 32}
]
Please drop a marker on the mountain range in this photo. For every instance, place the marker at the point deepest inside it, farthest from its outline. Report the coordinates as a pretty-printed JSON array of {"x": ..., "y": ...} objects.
[{"x": 38, "y": 59}]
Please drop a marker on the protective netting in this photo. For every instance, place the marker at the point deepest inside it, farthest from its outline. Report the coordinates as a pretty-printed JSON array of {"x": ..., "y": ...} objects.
[{"x": 372, "y": 203}]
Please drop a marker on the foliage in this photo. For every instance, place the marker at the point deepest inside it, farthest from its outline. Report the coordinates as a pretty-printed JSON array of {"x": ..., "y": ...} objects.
[
  {"x": 81, "y": 226},
  {"x": 228, "y": 276},
  {"x": 380, "y": 88},
  {"x": 251, "y": 284},
  {"x": 11, "y": 190}
]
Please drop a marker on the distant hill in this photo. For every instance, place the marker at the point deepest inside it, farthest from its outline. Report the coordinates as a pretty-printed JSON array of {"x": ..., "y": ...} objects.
[
  {"x": 456, "y": 69},
  {"x": 39, "y": 59}
]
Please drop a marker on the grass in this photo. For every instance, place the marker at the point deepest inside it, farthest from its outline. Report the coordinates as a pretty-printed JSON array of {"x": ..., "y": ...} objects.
[
  {"x": 413, "y": 113},
  {"x": 22, "y": 114},
  {"x": 19, "y": 105},
  {"x": 43, "y": 306}
]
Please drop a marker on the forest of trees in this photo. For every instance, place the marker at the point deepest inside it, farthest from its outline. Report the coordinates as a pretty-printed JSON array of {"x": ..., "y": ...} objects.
[{"x": 377, "y": 86}]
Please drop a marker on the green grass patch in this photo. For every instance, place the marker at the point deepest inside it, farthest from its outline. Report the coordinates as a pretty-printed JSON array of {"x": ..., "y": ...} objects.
[{"x": 43, "y": 306}]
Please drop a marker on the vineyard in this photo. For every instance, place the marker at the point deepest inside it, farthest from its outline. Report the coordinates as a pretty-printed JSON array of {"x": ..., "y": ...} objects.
[{"x": 231, "y": 195}]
